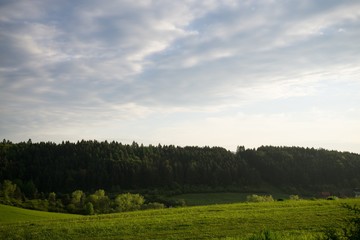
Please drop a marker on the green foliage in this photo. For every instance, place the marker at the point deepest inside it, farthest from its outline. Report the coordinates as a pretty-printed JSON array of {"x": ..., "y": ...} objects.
[
  {"x": 100, "y": 201},
  {"x": 129, "y": 202},
  {"x": 333, "y": 234},
  {"x": 353, "y": 227},
  {"x": 89, "y": 165},
  {"x": 97, "y": 202},
  {"x": 78, "y": 198},
  {"x": 180, "y": 203},
  {"x": 89, "y": 208},
  {"x": 52, "y": 198},
  {"x": 8, "y": 189},
  {"x": 258, "y": 198},
  {"x": 37, "y": 204},
  {"x": 71, "y": 208},
  {"x": 294, "y": 197},
  {"x": 175, "y": 201},
  {"x": 77, "y": 204},
  {"x": 30, "y": 189},
  {"x": 55, "y": 205},
  {"x": 350, "y": 229},
  {"x": 100, "y": 193},
  {"x": 153, "y": 205}
]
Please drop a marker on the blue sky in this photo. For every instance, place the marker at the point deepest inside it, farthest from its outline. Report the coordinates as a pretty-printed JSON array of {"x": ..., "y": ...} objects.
[{"x": 191, "y": 72}]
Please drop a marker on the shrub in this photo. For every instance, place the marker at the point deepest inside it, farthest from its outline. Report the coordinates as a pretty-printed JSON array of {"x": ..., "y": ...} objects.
[
  {"x": 353, "y": 227},
  {"x": 71, "y": 208},
  {"x": 180, "y": 203},
  {"x": 37, "y": 204},
  {"x": 153, "y": 205},
  {"x": 128, "y": 202},
  {"x": 294, "y": 197},
  {"x": 7, "y": 189},
  {"x": 89, "y": 209},
  {"x": 101, "y": 203},
  {"x": 257, "y": 198},
  {"x": 168, "y": 202},
  {"x": 332, "y": 234},
  {"x": 350, "y": 231}
]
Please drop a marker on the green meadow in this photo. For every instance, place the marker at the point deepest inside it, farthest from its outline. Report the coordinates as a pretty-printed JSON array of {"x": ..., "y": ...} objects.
[
  {"x": 305, "y": 219},
  {"x": 9, "y": 214}
]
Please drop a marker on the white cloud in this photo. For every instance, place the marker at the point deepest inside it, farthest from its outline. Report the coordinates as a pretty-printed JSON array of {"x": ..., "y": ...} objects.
[
  {"x": 87, "y": 64},
  {"x": 313, "y": 25},
  {"x": 14, "y": 10}
]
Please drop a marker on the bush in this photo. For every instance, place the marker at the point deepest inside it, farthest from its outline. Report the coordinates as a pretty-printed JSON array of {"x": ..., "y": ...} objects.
[
  {"x": 37, "y": 204},
  {"x": 89, "y": 209},
  {"x": 168, "y": 202},
  {"x": 350, "y": 231},
  {"x": 294, "y": 197},
  {"x": 7, "y": 189},
  {"x": 71, "y": 208},
  {"x": 180, "y": 203},
  {"x": 257, "y": 198},
  {"x": 353, "y": 227},
  {"x": 100, "y": 202},
  {"x": 153, "y": 205},
  {"x": 128, "y": 202},
  {"x": 332, "y": 234}
]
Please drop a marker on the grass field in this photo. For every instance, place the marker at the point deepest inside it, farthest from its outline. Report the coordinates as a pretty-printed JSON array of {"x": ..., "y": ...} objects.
[
  {"x": 291, "y": 219},
  {"x": 9, "y": 214}
]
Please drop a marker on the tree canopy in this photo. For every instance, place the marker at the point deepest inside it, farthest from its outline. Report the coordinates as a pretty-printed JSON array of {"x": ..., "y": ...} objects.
[{"x": 91, "y": 165}]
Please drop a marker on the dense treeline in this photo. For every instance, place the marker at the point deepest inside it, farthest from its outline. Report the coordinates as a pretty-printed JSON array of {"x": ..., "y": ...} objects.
[{"x": 90, "y": 165}]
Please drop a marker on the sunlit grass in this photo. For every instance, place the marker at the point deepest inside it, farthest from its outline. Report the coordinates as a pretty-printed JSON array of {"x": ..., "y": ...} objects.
[
  {"x": 9, "y": 214},
  {"x": 291, "y": 219}
]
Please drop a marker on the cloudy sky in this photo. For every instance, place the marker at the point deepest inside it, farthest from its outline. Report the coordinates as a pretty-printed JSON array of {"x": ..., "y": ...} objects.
[{"x": 188, "y": 72}]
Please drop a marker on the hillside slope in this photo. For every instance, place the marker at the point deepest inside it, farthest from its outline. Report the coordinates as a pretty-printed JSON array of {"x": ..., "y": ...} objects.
[
  {"x": 291, "y": 219},
  {"x": 9, "y": 214}
]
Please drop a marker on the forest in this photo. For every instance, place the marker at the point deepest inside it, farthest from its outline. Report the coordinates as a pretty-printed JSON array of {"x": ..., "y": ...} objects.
[{"x": 46, "y": 167}]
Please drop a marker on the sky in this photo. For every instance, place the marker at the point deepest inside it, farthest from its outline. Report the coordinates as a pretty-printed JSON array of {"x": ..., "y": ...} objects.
[{"x": 190, "y": 72}]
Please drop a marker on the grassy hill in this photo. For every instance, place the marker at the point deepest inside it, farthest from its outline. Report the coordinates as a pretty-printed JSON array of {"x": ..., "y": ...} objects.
[
  {"x": 9, "y": 214},
  {"x": 291, "y": 219}
]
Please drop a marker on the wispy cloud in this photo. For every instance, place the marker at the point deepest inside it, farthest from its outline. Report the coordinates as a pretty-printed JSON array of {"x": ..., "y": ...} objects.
[{"x": 78, "y": 67}]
